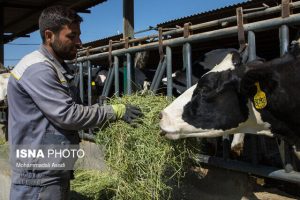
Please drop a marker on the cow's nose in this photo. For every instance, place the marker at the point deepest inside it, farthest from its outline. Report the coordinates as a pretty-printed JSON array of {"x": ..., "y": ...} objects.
[
  {"x": 162, "y": 133},
  {"x": 160, "y": 115}
]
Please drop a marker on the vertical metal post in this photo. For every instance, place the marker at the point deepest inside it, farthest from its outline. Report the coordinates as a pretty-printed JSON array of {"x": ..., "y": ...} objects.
[
  {"x": 252, "y": 56},
  {"x": 128, "y": 18},
  {"x": 240, "y": 25},
  {"x": 89, "y": 82},
  {"x": 129, "y": 78},
  {"x": 187, "y": 63},
  {"x": 116, "y": 68},
  {"x": 283, "y": 146},
  {"x": 106, "y": 82},
  {"x": 81, "y": 92},
  {"x": 109, "y": 81},
  {"x": 90, "y": 87},
  {"x": 169, "y": 72},
  {"x": 284, "y": 44},
  {"x": 155, "y": 78},
  {"x": 160, "y": 72},
  {"x": 1, "y": 35},
  {"x": 284, "y": 29},
  {"x": 226, "y": 146},
  {"x": 284, "y": 39},
  {"x": 252, "y": 46}
]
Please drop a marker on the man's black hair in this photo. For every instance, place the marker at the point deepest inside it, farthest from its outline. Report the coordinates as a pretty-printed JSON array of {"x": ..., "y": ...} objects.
[{"x": 54, "y": 17}]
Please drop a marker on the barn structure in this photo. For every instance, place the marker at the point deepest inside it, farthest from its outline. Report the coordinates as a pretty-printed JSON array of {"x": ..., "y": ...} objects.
[
  {"x": 267, "y": 27},
  {"x": 18, "y": 18}
]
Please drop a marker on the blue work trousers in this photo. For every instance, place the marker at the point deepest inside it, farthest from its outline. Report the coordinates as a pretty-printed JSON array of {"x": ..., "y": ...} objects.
[{"x": 57, "y": 191}]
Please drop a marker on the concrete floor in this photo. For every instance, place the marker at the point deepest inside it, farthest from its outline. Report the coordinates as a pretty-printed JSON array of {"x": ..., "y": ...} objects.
[{"x": 221, "y": 184}]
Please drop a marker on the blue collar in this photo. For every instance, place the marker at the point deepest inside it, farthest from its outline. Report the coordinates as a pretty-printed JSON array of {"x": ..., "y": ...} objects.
[
  {"x": 63, "y": 67},
  {"x": 48, "y": 55}
]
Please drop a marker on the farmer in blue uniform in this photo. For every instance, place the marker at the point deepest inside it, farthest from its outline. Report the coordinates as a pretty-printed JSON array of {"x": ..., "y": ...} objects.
[{"x": 45, "y": 110}]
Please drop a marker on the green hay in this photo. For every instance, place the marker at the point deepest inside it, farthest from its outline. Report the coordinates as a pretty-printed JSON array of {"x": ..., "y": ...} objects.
[
  {"x": 142, "y": 164},
  {"x": 2, "y": 140}
]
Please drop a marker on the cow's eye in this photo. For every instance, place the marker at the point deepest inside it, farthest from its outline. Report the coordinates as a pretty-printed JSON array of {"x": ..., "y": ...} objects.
[{"x": 204, "y": 89}]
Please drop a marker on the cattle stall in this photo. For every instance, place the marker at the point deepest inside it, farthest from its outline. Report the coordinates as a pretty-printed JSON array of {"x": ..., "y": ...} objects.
[{"x": 179, "y": 46}]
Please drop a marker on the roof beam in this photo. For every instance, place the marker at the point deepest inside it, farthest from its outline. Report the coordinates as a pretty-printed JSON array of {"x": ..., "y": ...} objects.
[
  {"x": 27, "y": 15},
  {"x": 9, "y": 38},
  {"x": 85, "y": 11},
  {"x": 18, "y": 5},
  {"x": 1, "y": 35},
  {"x": 128, "y": 18},
  {"x": 22, "y": 24}
]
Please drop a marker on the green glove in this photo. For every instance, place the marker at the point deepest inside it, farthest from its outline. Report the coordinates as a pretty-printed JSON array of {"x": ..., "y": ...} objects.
[
  {"x": 127, "y": 113},
  {"x": 119, "y": 110}
]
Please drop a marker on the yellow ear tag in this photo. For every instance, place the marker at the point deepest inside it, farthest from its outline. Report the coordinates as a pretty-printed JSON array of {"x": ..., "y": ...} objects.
[
  {"x": 93, "y": 83},
  {"x": 260, "y": 99}
]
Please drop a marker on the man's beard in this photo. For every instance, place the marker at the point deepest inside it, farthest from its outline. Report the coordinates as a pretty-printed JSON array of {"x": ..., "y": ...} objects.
[{"x": 63, "y": 51}]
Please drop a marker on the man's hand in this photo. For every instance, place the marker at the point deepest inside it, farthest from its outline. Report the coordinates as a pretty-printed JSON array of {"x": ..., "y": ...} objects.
[{"x": 128, "y": 113}]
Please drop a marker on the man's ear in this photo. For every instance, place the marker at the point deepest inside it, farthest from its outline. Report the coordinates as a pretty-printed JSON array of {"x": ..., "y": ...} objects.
[{"x": 49, "y": 36}]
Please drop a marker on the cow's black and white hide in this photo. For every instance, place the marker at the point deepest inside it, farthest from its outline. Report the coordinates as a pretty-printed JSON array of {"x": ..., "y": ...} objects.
[
  {"x": 280, "y": 80},
  {"x": 199, "y": 67},
  {"x": 4, "y": 76},
  {"x": 3, "y": 87},
  {"x": 216, "y": 105}
]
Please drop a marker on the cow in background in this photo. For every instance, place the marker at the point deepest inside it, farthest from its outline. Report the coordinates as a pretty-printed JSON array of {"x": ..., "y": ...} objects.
[
  {"x": 199, "y": 67},
  {"x": 4, "y": 76},
  {"x": 3, "y": 87}
]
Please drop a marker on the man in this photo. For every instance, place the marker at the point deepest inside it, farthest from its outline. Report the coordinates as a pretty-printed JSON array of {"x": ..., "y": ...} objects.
[{"x": 44, "y": 110}]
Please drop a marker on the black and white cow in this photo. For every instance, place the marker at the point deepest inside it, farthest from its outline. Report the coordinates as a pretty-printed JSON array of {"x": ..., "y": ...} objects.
[
  {"x": 199, "y": 67},
  {"x": 280, "y": 80},
  {"x": 3, "y": 87},
  {"x": 217, "y": 105},
  {"x": 213, "y": 107}
]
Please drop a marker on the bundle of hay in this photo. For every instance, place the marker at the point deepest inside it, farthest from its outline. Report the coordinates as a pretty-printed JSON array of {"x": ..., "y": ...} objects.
[{"x": 141, "y": 164}]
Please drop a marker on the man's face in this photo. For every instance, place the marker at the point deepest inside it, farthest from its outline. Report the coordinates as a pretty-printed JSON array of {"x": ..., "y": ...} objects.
[{"x": 67, "y": 41}]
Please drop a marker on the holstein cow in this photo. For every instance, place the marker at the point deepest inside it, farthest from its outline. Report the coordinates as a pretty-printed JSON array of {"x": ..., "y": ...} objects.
[
  {"x": 280, "y": 81},
  {"x": 3, "y": 87},
  {"x": 202, "y": 65},
  {"x": 3, "y": 103},
  {"x": 216, "y": 105}
]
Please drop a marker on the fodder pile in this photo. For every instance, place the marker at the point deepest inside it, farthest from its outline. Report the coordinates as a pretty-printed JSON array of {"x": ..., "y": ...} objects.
[{"x": 141, "y": 163}]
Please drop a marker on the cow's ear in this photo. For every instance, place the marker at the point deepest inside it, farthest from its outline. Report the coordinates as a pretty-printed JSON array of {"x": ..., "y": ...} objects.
[
  {"x": 236, "y": 58},
  {"x": 265, "y": 76}
]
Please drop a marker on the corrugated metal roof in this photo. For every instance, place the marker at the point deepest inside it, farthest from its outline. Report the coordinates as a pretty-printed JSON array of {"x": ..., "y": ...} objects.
[
  {"x": 103, "y": 41},
  {"x": 218, "y": 12},
  {"x": 226, "y": 11},
  {"x": 267, "y": 41},
  {"x": 21, "y": 16}
]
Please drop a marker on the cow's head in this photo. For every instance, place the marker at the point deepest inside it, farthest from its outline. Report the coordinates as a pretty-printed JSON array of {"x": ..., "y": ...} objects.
[
  {"x": 212, "y": 107},
  {"x": 3, "y": 86},
  {"x": 280, "y": 81}
]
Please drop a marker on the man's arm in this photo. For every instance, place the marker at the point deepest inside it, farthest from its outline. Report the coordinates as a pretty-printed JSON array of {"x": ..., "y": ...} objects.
[{"x": 41, "y": 82}]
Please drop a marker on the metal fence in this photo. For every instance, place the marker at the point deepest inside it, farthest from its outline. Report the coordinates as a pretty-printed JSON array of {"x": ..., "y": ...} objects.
[{"x": 165, "y": 66}]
